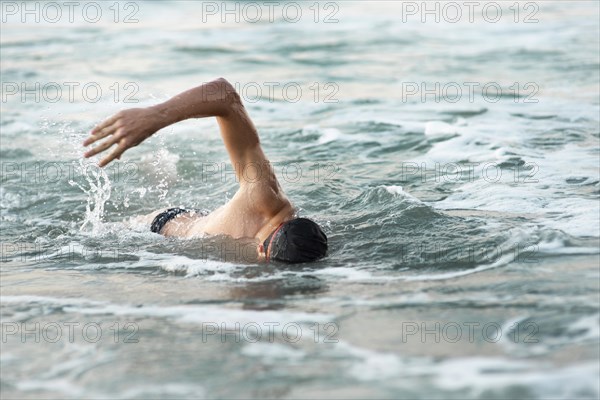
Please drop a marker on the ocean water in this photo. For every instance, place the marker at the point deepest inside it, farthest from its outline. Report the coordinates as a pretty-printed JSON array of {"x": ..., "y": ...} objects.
[{"x": 453, "y": 164}]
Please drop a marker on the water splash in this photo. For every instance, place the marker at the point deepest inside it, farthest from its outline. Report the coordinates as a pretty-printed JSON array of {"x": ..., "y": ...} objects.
[
  {"x": 98, "y": 194},
  {"x": 163, "y": 166}
]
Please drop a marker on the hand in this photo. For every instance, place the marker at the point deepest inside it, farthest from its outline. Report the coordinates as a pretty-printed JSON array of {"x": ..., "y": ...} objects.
[{"x": 126, "y": 129}]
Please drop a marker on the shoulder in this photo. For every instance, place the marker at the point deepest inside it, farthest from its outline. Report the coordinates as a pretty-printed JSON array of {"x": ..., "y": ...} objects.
[{"x": 266, "y": 197}]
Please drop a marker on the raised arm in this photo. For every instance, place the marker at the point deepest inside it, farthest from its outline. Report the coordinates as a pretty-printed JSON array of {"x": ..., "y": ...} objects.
[{"x": 219, "y": 99}]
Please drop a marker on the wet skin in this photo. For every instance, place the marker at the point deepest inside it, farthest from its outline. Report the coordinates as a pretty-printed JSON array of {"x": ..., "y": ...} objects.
[{"x": 258, "y": 207}]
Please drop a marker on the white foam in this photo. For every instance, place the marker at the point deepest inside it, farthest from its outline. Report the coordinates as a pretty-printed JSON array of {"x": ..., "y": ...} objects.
[
  {"x": 399, "y": 191},
  {"x": 543, "y": 192},
  {"x": 371, "y": 365},
  {"x": 47, "y": 299},
  {"x": 273, "y": 352},
  {"x": 66, "y": 387},
  {"x": 474, "y": 374},
  {"x": 439, "y": 128},
  {"x": 191, "y": 267},
  {"x": 589, "y": 324},
  {"x": 194, "y": 314},
  {"x": 482, "y": 374},
  {"x": 330, "y": 135},
  {"x": 350, "y": 273},
  {"x": 558, "y": 246},
  {"x": 166, "y": 390}
]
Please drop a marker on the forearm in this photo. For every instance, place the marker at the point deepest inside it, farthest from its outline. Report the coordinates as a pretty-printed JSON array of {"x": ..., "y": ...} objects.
[
  {"x": 218, "y": 99},
  {"x": 211, "y": 99}
]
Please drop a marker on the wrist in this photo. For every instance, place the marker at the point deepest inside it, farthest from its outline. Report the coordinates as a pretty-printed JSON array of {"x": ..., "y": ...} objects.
[{"x": 161, "y": 116}]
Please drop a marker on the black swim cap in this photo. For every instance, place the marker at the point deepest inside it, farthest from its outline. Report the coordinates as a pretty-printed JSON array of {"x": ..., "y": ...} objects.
[{"x": 296, "y": 241}]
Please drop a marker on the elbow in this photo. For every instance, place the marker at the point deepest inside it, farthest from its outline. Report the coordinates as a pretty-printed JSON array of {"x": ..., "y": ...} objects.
[
  {"x": 228, "y": 96},
  {"x": 228, "y": 90},
  {"x": 223, "y": 81}
]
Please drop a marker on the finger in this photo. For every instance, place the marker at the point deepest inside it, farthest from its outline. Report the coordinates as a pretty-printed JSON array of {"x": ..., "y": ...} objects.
[
  {"x": 106, "y": 123},
  {"x": 100, "y": 134},
  {"x": 101, "y": 147},
  {"x": 116, "y": 153}
]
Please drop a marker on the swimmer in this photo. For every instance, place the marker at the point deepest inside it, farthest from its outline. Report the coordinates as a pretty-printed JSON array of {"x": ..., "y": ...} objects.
[{"x": 259, "y": 209}]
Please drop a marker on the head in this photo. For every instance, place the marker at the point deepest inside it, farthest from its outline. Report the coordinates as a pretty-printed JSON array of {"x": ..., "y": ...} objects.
[{"x": 296, "y": 241}]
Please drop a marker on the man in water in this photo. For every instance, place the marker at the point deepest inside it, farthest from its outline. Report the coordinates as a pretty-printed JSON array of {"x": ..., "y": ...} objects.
[{"x": 258, "y": 210}]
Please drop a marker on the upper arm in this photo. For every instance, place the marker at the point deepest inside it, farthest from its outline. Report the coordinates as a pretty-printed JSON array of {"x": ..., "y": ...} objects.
[{"x": 241, "y": 139}]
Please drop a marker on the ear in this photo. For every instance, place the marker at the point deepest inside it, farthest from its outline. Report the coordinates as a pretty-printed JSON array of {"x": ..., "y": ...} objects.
[{"x": 261, "y": 248}]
